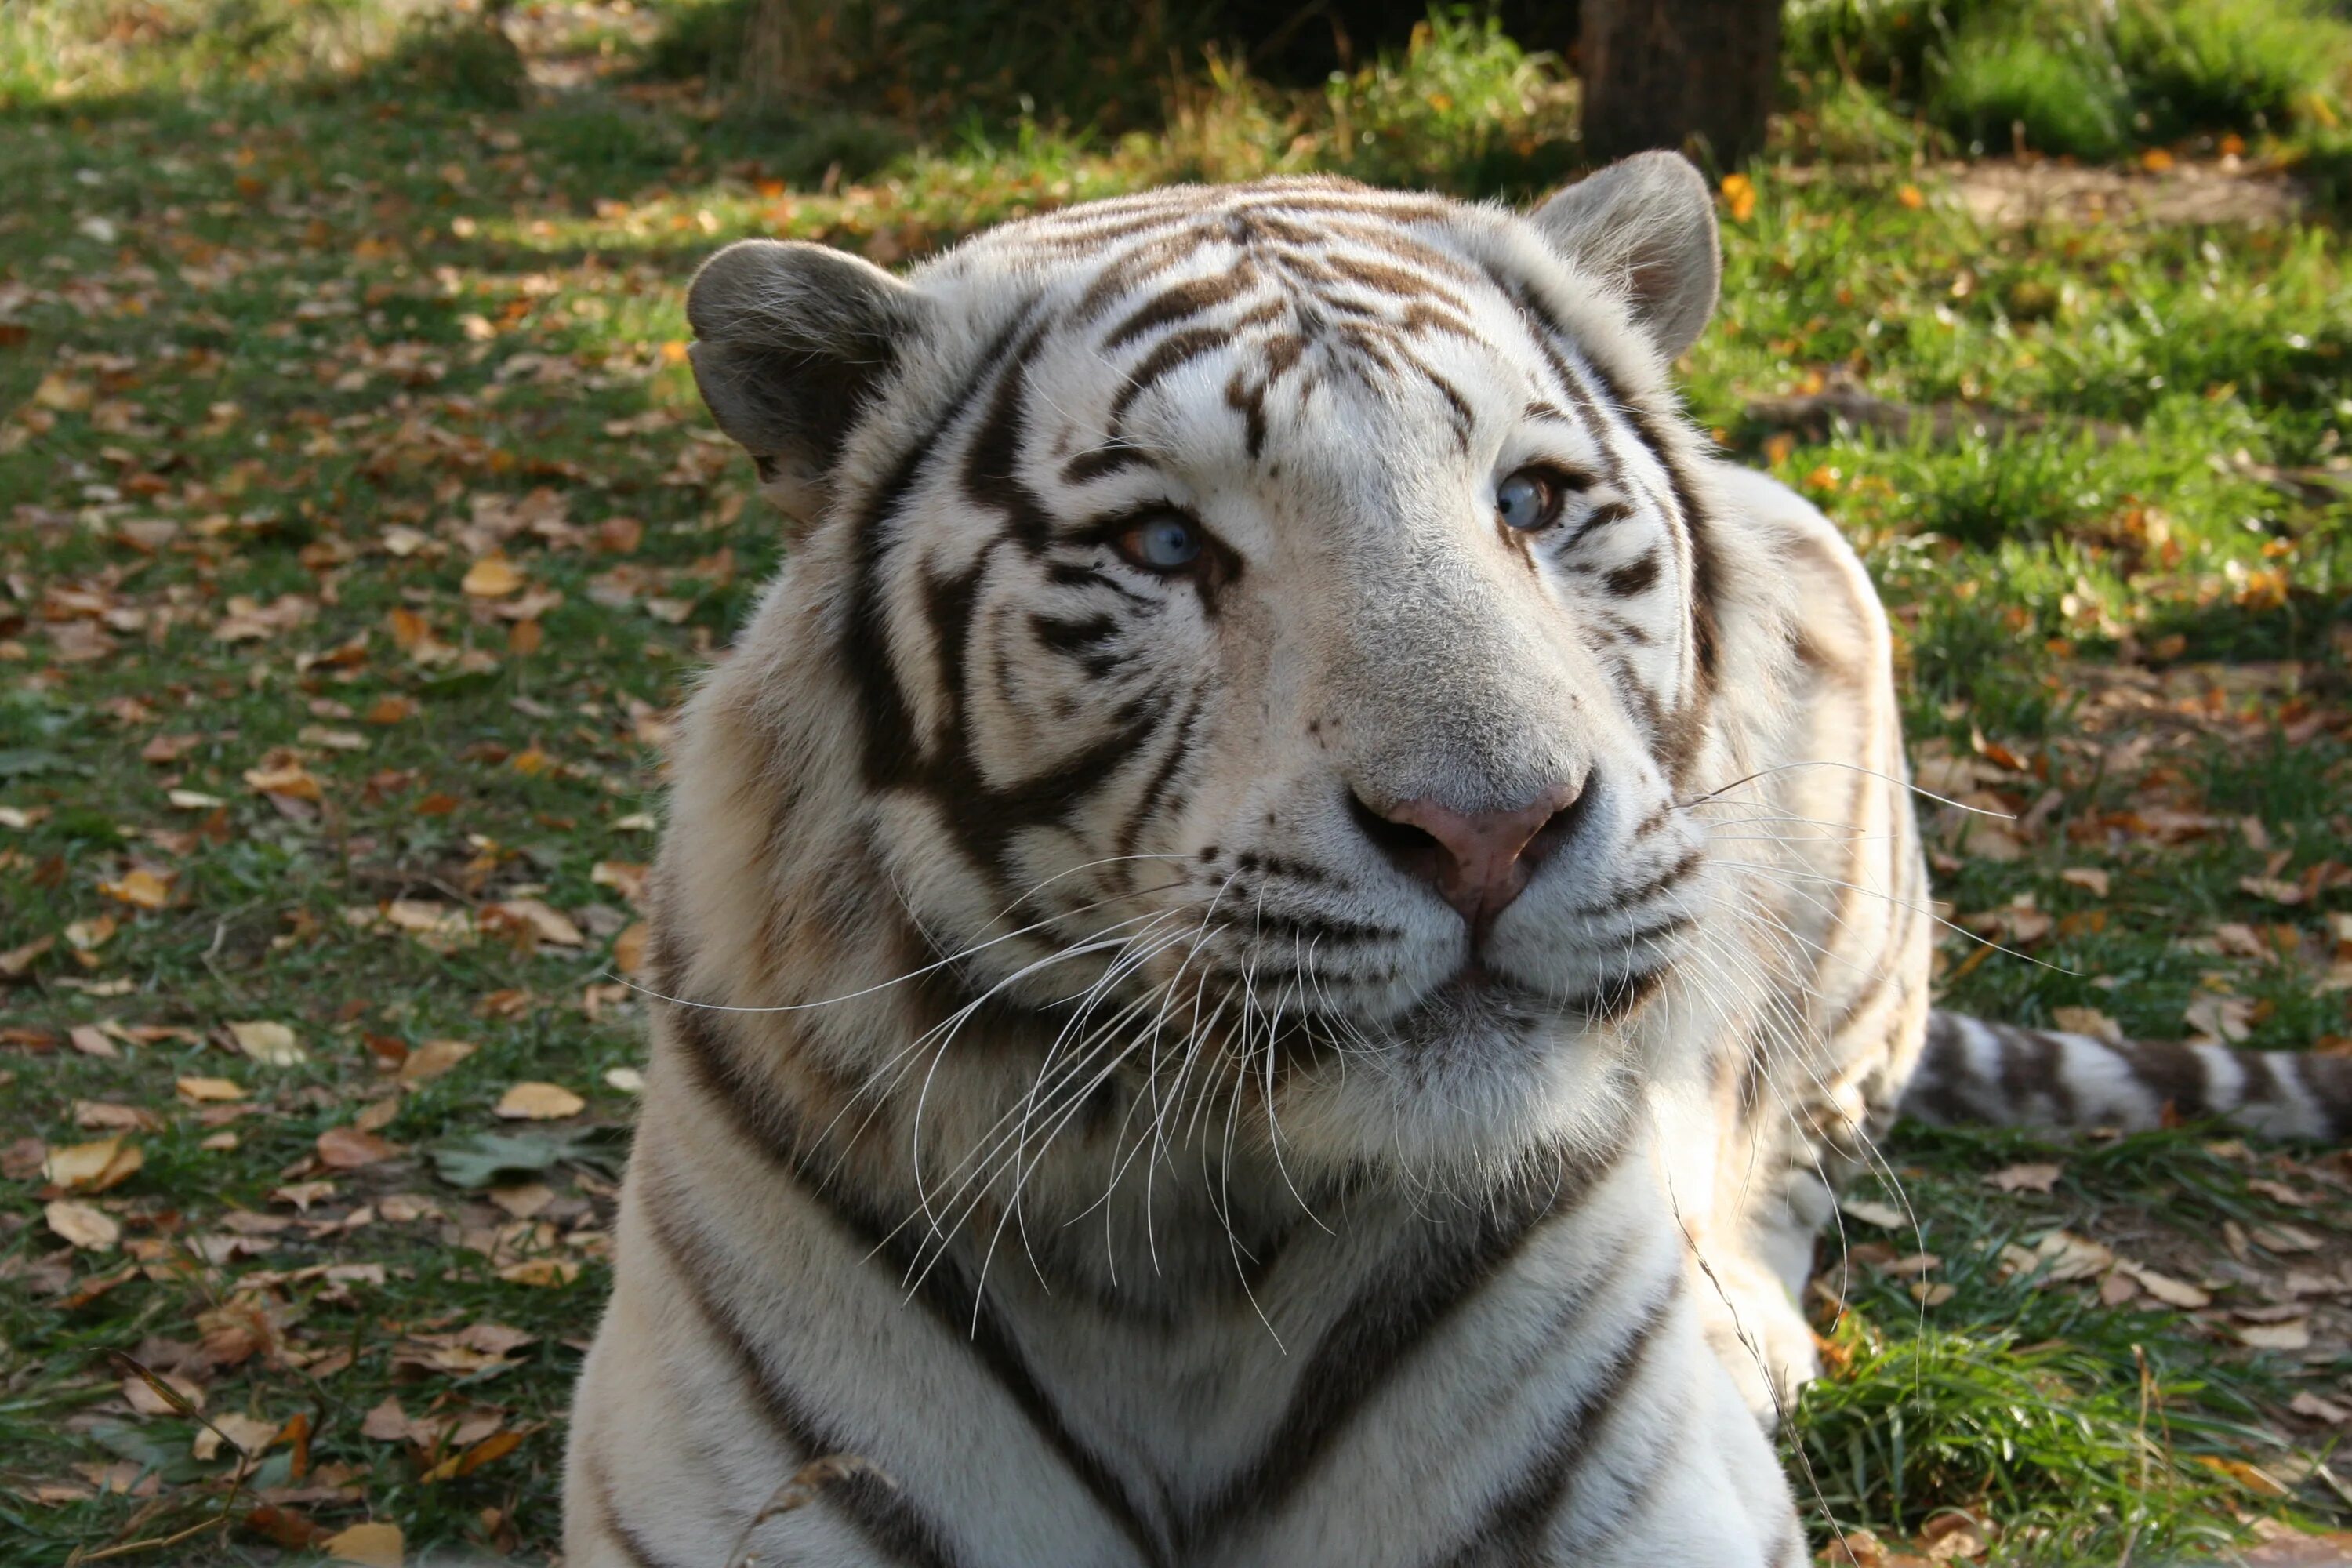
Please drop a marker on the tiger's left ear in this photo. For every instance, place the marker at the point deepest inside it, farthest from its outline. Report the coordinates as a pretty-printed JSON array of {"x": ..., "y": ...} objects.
[
  {"x": 791, "y": 342},
  {"x": 1648, "y": 223}
]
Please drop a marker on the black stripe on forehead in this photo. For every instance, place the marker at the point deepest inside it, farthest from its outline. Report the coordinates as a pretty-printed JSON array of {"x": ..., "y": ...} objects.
[
  {"x": 1181, "y": 302},
  {"x": 1173, "y": 353}
]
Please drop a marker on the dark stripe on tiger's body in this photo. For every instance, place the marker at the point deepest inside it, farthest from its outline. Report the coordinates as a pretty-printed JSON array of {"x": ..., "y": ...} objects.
[
  {"x": 890, "y": 1522},
  {"x": 1515, "y": 1530},
  {"x": 1389, "y": 1320},
  {"x": 938, "y": 1281}
]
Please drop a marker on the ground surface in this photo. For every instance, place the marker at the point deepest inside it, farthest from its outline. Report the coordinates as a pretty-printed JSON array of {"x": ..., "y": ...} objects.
[{"x": 358, "y": 530}]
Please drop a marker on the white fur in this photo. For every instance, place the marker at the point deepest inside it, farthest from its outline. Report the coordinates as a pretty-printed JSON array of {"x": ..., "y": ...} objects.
[{"x": 1381, "y": 635}]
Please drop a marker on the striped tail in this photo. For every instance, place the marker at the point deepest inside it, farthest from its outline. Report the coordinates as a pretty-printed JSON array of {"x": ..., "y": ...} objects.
[{"x": 1972, "y": 1071}]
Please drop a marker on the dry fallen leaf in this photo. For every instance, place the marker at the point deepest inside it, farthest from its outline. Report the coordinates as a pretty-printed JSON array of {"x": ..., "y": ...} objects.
[
  {"x": 91, "y": 1041},
  {"x": 539, "y": 1102},
  {"x": 369, "y": 1545},
  {"x": 2285, "y": 1239},
  {"x": 387, "y": 1423},
  {"x": 350, "y": 1148},
  {"x": 433, "y": 1059},
  {"x": 2216, "y": 1019},
  {"x": 2294, "y": 1334},
  {"x": 250, "y": 1435},
  {"x": 2248, "y": 1476},
  {"x": 1952, "y": 1537},
  {"x": 629, "y": 949},
  {"x": 2277, "y": 890},
  {"x": 2088, "y": 1021},
  {"x": 106, "y": 1114},
  {"x": 92, "y": 934},
  {"x": 2164, "y": 1288},
  {"x": 148, "y": 1400},
  {"x": 2058, "y": 1256},
  {"x": 140, "y": 888},
  {"x": 292, "y": 780},
  {"x": 2032, "y": 1177},
  {"x": 540, "y": 1271},
  {"x": 546, "y": 923},
  {"x": 272, "y": 1045},
  {"x": 2320, "y": 1409},
  {"x": 90, "y": 1228},
  {"x": 1886, "y": 1216},
  {"x": 524, "y": 1199},
  {"x": 491, "y": 577},
  {"x": 93, "y": 1167},
  {"x": 391, "y": 709},
  {"x": 202, "y": 1091}
]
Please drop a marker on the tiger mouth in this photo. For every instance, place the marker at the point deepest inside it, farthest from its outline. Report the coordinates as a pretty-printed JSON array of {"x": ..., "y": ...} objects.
[{"x": 1481, "y": 993}]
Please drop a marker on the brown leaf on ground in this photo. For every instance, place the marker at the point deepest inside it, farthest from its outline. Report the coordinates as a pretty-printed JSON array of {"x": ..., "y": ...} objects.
[
  {"x": 2035, "y": 1177},
  {"x": 387, "y": 1423},
  {"x": 374, "y": 1545},
  {"x": 543, "y": 922},
  {"x": 270, "y": 1044},
  {"x": 2294, "y": 1334},
  {"x": 93, "y": 1167},
  {"x": 2057, "y": 1258},
  {"x": 433, "y": 1059},
  {"x": 249, "y": 1433},
  {"x": 140, "y": 888},
  {"x": 97, "y": 1115},
  {"x": 2320, "y": 1409},
  {"x": 85, "y": 1226},
  {"x": 350, "y": 1148},
  {"x": 491, "y": 577},
  {"x": 2087, "y": 1021},
  {"x": 539, "y": 1102},
  {"x": 629, "y": 948}
]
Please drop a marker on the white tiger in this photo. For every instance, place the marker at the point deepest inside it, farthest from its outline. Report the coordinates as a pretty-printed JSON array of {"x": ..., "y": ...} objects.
[{"x": 1279, "y": 928}]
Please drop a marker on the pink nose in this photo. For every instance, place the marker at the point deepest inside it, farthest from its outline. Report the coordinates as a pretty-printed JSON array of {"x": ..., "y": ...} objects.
[{"x": 1478, "y": 861}]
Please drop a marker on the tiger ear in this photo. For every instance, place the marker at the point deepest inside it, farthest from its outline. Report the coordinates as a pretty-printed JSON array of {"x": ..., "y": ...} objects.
[
  {"x": 1647, "y": 222},
  {"x": 791, "y": 341}
]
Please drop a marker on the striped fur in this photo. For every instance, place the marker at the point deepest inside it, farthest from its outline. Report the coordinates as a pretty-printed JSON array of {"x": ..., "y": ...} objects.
[{"x": 1062, "y": 1100}]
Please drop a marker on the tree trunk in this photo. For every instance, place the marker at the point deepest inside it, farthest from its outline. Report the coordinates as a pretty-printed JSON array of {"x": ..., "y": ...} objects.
[{"x": 1693, "y": 76}]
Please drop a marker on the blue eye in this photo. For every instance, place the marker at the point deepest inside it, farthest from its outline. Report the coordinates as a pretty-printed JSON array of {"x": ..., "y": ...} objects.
[
  {"x": 1527, "y": 500},
  {"x": 1162, "y": 543}
]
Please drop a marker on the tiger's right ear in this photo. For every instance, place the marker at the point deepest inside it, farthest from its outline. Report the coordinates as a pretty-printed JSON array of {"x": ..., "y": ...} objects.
[{"x": 791, "y": 342}]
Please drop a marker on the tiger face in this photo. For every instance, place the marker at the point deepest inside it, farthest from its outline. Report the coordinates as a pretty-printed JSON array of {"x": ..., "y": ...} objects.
[{"x": 1277, "y": 617}]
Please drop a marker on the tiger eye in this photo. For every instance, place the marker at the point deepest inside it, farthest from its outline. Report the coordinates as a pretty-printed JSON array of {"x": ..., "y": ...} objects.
[
  {"x": 1527, "y": 500},
  {"x": 1162, "y": 543}
]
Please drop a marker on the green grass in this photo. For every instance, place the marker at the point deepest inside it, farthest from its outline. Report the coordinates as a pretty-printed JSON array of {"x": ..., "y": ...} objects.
[
  {"x": 340, "y": 294},
  {"x": 2083, "y": 79}
]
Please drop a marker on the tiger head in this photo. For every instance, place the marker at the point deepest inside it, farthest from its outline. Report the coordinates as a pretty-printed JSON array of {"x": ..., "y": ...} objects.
[{"x": 1273, "y": 622}]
